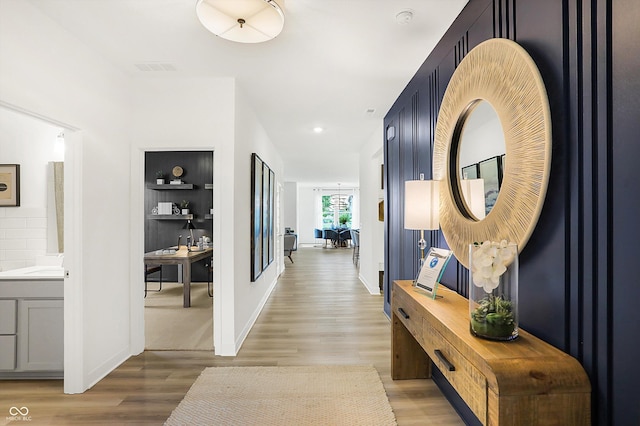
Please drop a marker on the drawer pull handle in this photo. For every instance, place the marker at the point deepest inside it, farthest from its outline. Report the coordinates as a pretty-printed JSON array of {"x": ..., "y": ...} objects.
[
  {"x": 444, "y": 360},
  {"x": 403, "y": 313}
]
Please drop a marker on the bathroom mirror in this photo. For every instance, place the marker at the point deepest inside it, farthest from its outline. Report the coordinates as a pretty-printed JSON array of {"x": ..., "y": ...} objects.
[
  {"x": 501, "y": 73},
  {"x": 479, "y": 155}
]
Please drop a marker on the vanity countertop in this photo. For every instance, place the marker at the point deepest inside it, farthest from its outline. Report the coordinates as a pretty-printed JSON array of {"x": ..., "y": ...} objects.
[{"x": 32, "y": 273}]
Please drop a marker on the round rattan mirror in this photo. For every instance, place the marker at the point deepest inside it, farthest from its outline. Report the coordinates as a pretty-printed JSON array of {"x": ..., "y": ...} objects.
[{"x": 502, "y": 73}]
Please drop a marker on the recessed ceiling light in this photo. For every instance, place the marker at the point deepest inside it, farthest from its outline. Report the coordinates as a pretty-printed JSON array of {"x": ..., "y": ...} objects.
[{"x": 318, "y": 129}]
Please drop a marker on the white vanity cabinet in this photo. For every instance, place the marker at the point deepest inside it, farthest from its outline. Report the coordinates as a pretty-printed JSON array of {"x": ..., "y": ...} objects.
[{"x": 31, "y": 328}]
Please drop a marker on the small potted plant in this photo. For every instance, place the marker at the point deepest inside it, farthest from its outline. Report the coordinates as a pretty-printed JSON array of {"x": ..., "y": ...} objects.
[
  {"x": 493, "y": 297},
  {"x": 160, "y": 177},
  {"x": 184, "y": 207}
]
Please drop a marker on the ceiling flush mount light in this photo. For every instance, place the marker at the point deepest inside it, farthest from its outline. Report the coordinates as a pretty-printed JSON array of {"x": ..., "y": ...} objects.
[
  {"x": 318, "y": 129},
  {"x": 243, "y": 21}
]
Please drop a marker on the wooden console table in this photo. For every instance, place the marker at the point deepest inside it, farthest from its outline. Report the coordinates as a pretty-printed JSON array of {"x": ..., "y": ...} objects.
[{"x": 523, "y": 382}]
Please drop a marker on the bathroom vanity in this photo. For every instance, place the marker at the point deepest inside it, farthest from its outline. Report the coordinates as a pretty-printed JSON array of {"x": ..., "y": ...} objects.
[{"x": 31, "y": 323}]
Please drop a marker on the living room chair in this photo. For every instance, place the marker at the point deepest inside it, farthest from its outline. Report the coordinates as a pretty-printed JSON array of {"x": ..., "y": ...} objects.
[{"x": 290, "y": 245}]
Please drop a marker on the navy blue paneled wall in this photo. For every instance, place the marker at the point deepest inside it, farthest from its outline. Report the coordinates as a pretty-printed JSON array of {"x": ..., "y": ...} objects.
[{"x": 578, "y": 284}]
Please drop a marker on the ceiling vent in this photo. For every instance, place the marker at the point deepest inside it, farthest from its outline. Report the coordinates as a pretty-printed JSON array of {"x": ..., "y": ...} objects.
[{"x": 155, "y": 66}]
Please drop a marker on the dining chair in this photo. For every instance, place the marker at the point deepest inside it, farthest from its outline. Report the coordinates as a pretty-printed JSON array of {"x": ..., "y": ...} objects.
[
  {"x": 330, "y": 234},
  {"x": 344, "y": 236},
  {"x": 355, "y": 241}
]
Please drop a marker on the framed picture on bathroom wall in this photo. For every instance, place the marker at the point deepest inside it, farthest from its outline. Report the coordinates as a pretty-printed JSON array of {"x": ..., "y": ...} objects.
[{"x": 9, "y": 185}]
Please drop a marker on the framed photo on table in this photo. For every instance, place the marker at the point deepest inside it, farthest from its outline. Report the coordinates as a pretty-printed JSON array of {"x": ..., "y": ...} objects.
[
  {"x": 9, "y": 185},
  {"x": 432, "y": 268}
]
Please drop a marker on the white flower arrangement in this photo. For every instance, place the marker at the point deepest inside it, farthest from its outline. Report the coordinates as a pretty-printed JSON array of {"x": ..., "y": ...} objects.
[{"x": 489, "y": 261}]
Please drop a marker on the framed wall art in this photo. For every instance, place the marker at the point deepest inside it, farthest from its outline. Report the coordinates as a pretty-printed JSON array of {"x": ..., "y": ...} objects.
[
  {"x": 262, "y": 216},
  {"x": 9, "y": 185},
  {"x": 265, "y": 216},
  {"x": 491, "y": 172},
  {"x": 272, "y": 185},
  {"x": 256, "y": 217}
]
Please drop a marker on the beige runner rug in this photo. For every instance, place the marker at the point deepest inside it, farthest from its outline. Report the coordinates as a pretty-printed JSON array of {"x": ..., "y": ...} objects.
[{"x": 313, "y": 395}]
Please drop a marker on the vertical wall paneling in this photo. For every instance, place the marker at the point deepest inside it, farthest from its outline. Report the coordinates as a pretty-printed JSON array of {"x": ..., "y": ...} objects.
[
  {"x": 392, "y": 248},
  {"x": 578, "y": 272},
  {"x": 624, "y": 126},
  {"x": 574, "y": 276},
  {"x": 504, "y": 12}
]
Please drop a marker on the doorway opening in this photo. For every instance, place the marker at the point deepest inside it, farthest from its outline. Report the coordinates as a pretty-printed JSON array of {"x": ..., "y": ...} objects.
[{"x": 178, "y": 205}]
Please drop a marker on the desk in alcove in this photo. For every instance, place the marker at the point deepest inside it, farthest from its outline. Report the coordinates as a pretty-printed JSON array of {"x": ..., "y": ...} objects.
[{"x": 180, "y": 257}]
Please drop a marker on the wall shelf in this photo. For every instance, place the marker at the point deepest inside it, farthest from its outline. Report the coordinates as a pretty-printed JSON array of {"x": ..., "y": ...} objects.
[
  {"x": 170, "y": 216},
  {"x": 208, "y": 186},
  {"x": 168, "y": 186}
]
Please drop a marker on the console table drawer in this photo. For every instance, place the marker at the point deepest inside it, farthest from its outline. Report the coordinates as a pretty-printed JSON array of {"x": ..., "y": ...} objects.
[
  {"x": 406, "y": 310},
  {"x": 467, "y": 380}
]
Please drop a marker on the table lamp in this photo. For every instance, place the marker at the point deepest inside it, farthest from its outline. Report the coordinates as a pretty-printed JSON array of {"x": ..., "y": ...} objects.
[
  {"x": 421, "y": 209},
  {"x": 190, "y": 226}
]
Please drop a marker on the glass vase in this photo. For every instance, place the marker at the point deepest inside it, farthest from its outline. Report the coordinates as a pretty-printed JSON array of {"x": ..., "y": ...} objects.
[{"x": 493, "y": 290}]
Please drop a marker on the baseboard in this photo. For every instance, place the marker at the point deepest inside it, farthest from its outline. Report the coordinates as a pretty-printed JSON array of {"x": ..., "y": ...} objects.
[
  {"x": 254, "y": 317},
  {"x": 372, "y": 290},
  {"x": 100, "y": 372}
]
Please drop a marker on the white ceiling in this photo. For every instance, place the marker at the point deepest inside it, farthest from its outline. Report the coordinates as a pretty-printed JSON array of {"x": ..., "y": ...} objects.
[{"x": 334, "y": 61}]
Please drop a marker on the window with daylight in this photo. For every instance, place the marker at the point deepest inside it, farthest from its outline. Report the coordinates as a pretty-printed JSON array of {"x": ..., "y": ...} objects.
[{"x": 337, "y": 210}]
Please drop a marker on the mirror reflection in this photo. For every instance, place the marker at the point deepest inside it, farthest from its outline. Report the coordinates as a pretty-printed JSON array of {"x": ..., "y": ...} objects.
[{"x": 481, "y": 158}]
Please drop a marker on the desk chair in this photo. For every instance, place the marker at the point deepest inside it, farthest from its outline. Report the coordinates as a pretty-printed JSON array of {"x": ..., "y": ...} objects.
[
  {"x": 148, "y": 270},
  {"x": 209, "y": 267}
]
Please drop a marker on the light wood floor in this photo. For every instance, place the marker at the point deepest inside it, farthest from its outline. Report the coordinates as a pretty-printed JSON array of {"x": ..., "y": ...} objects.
[{"x": 319, "y": 313}]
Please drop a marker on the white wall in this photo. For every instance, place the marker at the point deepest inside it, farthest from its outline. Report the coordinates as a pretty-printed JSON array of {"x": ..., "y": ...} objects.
[
  {"x": 482, "y": 137},
  {"x": 307, "y": 221},
  {"x": 31, "y": 143},
  {"x": 188, "y": 114},
  {"x": 290, "y": 205},
  {"x": 371, "y": 229},
  {"x": 250, "y": 296},
  {"x": 46, "y": 71}
]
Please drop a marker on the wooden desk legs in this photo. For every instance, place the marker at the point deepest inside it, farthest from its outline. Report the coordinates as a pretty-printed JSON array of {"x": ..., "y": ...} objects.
[
  {"x": 186, "y": 278},
  {"x": 408, "y": 359}
]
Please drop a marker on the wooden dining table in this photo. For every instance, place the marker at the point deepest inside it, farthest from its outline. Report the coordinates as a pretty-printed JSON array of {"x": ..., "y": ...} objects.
[{"x": 181, "y": 257}]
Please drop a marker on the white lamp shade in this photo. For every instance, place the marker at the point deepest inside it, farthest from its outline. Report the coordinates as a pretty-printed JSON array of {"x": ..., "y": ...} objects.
[
  {"x": 262, "y": 20},
  {"x": 473, "y": 193},
  {"x": 422, "y": 204}
]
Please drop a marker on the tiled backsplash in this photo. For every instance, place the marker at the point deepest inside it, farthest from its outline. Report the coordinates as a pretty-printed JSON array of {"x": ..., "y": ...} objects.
[{"x": 23, "y": 236}]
